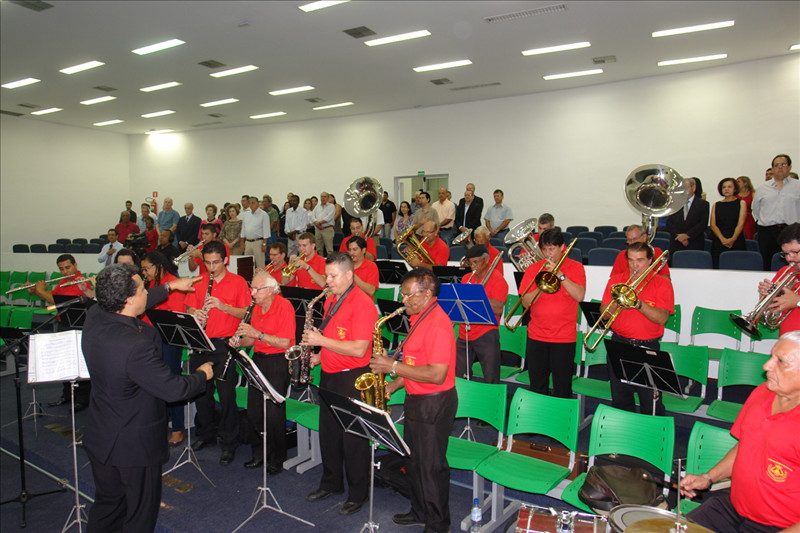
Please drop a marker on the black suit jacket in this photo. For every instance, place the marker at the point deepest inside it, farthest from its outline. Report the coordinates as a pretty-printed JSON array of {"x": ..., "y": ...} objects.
[
  {"x": 188, "y": 231},
  {"x": 694, "y": 226},
  {"x": 473, "y": 215},
  {"x": 131, "y": 384}
]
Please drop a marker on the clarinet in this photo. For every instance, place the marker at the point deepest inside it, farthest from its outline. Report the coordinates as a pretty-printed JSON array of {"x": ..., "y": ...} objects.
[
  {"x": 206, "y": 306},
  {"x": 245, "y": 319},
  {"x": 299, "y": 357}
]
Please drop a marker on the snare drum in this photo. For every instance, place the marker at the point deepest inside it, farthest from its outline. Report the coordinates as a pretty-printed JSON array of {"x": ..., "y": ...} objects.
[
  {"x": 643, "y": 519},
  {"x": 534, "y": 519}
]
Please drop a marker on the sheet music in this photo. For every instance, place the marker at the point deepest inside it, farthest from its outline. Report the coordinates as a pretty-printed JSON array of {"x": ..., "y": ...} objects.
[{"x": 56, "y": 357}]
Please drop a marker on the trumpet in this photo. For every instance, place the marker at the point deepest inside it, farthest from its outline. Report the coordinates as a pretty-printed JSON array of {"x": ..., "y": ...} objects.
[
  {"x": 626, "y": 296},
  {"x": 545, "y": 281},
  {"x": 373, "y": 386},
  {"x": 185, "y": 255},
  {"x": 289, "y": 270},
  {"x": 772, "y": 319},
  {"x": 413, "y": 247},
  {"x": 31, "y": 285}
]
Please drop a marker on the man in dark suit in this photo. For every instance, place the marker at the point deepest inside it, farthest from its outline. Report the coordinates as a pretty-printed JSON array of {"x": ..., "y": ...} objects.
[
  {"x": 687, "y": 227},
  {"x": 468, "y": 212},
  {"x": 188, "y": 228},
  {"x": 126, "y": 435}
]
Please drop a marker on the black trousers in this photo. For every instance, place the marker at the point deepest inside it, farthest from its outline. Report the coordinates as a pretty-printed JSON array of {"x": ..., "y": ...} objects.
[
  {"x": 487, "y": 349},
  {"x": 718, "y": 514},
  {"x": 546, "y": 358},
  {"x": 275, "y": 368},
  {"x": 768, "y": 243},
  {"x": 622, "y": 393},
  {"x": 125, "y": 499},
  {"x": 428, "y": 423},
  {"x": 229, "y": 423},
  {"x": 343, "y": 453}
]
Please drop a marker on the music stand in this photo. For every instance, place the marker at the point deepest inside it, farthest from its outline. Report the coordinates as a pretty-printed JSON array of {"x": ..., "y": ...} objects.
[
  {"x": 371, "y": 423},
  {"x": 391, "y": 272},
  {"x": 397, "y": 325},
  {"x": 73, "y": 316},
  {"x": 644, "y": 367},
  {"x": 256, "y": 378},
  {"x": 183, "y": 331},
  {"x": 591, "y": 312},
  {"x": 449, "y": 274}
]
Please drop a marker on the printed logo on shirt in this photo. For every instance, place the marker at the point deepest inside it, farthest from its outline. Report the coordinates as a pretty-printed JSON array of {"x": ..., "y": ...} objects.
[
  {"x": 410, "y": 360},
  {"x": 777, "y": 471},
  {"x": 342, "y": 332}
]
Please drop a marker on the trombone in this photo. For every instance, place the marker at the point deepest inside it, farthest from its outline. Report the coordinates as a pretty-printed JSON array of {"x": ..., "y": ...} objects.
[
  {"x": 626, "y": 296},
  {"x": 772, "y": 319},
  {"x": 545, "y": 281}
]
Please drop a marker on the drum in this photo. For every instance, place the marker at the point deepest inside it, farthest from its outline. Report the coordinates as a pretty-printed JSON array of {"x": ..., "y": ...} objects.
[
  {"x": 643, "y": 519},
  {"x": 534, "y": 519}
]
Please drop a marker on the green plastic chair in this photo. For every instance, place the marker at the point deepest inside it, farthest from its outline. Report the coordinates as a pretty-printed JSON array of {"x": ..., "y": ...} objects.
[
  {"x": 646, "y": 437},
  {"x": 5, "y": 275},
  {"x": 557, "y": 418},
  {"x": 736, "y": 368},
  {"x": 707, "y": 446},
  {"x": 5, "y": 315},
  {"x": 21, "y": 317},
  {"x": 716, "y": 321},
  {"x": 586, "y": 386},
  {"x": 674, "y": 323},
  {"x": 18, "y": 277},
  {"x": 690, "y": 362},
  {"x": 513, "y": 342},
  {"x": 385, "y": 293}
]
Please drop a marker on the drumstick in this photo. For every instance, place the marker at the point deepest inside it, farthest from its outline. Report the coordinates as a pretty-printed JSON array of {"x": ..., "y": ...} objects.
[{"x": 662, "y": 482}]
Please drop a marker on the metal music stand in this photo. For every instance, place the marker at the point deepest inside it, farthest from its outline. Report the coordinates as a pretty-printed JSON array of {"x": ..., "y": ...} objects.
[
  {"x": 391, "y": 272},
  {"x": 644, "y": 367},
  {"x": 449, "y": 274},
  {"x": 182, "y": 330},
  {"x": 371, "y": 423},
  {"x": 591, "y": 312},
  {"x": 256, "y": 379},
  {"x": 73, "y": 316}
]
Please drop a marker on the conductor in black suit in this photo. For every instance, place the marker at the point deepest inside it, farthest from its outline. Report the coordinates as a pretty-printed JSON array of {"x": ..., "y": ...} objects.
[
  {"x": 687, "y": 227},
  {"x": 126, "y": 435},
  {"x": 468, "y": 212},
  {"x": 188, "y": 228}
]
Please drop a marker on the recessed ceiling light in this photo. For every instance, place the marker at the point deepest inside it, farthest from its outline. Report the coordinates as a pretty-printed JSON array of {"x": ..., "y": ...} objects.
[
  {"x": 691, "y": 60},
  {"x": 573, "y": 74},
  {"x": 82, "y": 67},
  {"x": 559, "y": 48},
  {"x": 794, "y": 47},
  {"x": 20, "y": 83},
  {"x": 160, "y": 86},
  {"x": 158, "y": 47},
  {"x": 233, "y": 71},
  {"x": 219, "y": 102},
  {"x": 343, "y": 104},
  {"x": 692, "y": 29},
  {"x": 292, "y": 90},
  {"x": 268, "y": 115},
  {"x": 108, "y": 122},
  {"x": 158, "y": 113},
  {"x": 156, "y": 132},
  {"x": 322, "y": 4},
  {"x": 440, "y": 66},
  {"x": 47, "y": 111},
  {"x": 99, "y": 100},
  {"x": 398, "y": 38}
]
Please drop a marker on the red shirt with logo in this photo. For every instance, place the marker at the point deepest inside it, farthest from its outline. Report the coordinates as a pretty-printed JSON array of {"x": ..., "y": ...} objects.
[{"x": 354, "y": 320}]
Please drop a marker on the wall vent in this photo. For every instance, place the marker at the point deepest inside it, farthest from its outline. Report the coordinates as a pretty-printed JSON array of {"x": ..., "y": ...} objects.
[
  {"x": 12, "y": 113},
  {"x": 360, "y": 32},
  {"x": 211, "y": 63},
  {"x": 207, "y": 124},
  {"x": 441, "y": 81},
  {"x": 604, "y": 59},
  {"x": 216, "y": 115},
  {"x": 547, "y": 10},
  {"x": 35, "y": 5},
  {"x": 104, "y": 88},
  {"x": 314, "y": 100}
]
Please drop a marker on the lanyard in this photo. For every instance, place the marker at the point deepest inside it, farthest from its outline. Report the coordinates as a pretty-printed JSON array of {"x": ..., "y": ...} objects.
[
  {"x": 398, "y": 353},
  {"x": 332, "y": 311}
]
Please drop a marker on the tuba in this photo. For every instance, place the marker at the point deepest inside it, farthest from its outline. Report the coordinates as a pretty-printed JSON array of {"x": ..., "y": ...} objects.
[
  {"x": 411, "y": 247},
  {"x": 299, "y": 356},
  {"x": 655, "y": 191},
  {"x": 771, "y": 319},
  {"x": 520, "y": 238},
  {"x": 363, "y": 198},
  {"x": 373, "y": 386}
]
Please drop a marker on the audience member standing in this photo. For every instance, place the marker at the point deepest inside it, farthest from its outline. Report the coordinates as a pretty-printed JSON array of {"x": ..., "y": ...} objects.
[
  {"x": 188, "y": 228},
  {"x": 232, "y": 231},
  {"x": 141, "y": 220},
  {"x": 126, "y": 227},
  {"x": 447, "y": 216},
  {"x": 727, "y": 221},
  {"x": 110, "y": 249},
  {"x": 168, "y": 219},
  {"x": 323, "y": 216},
  {"x": 687, "y": 227},
  {"x": 775, "y": 205},
  {"x": 131, "y": 212},
  {"x": 746, "y": 193},
  {"x": 389, "y": 211},
  {"x": 468, "y": 212},
  {"x": 255, "y": 232},
  {"x": 297, "y": 219},
  {"x": 498, "y": 216}
]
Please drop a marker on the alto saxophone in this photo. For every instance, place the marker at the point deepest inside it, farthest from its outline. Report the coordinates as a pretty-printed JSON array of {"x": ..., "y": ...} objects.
[
  {"x": 373, "y": 386},
  {"x": 299, "y": 357},
  {"x": 206, "y": 302}
]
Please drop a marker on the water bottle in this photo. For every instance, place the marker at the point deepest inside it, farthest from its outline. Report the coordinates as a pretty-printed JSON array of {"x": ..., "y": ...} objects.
[{"x": 477, "y": 516}]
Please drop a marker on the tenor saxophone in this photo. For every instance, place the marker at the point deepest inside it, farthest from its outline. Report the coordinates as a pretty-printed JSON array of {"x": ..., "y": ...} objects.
[
  {"x": 299, "y": 357},
  {"x": 373, "y": 386}
]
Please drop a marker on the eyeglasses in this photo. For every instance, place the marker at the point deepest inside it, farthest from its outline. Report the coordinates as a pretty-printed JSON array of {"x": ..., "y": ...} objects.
[
  {"x": 409, "y": 295},
  {"x": 146, "y": 268},
  {"x": 784, "y": 255},
  {"x": 776, "y": 165}
]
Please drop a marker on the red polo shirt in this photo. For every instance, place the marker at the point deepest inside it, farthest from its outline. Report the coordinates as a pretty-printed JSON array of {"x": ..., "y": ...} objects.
[
  {"x": 631, "y": 323},
  {"x": 278, "y": 321},
  {"x": 621, "y": 263},
  {"x": 72, "y": 290},
  {"x": 176, "y": 301},
  {"x": 199, "y": 260},
  {"x": 439, "y": 252},
  {"x": 354, "y": 320},
  {"x": 368, "y": 273},
  {"x": 231, "y": 290},
  {"x": 554, "y": 316},
  {"x": 496, "y": 289},
  {"x": 303, "y": 279},
  {"x": 123, "y": 230},
  {"x": 370, "y": 246},
  {"x": 419, "y": 349}
]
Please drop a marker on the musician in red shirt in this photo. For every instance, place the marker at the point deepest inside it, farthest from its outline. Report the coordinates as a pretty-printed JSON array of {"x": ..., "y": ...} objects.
[
  {"x": 635, "y": 233},
  {"x": 357, "y": 230},
  {"x": 789, "y": 300},
  {"x": 151, "y": 233},
  {"x": 277, "y": 260},
  {"x": 482, "y": 236},
  {"x": 208, "y": 232},
  {"x": 365, "y": 274},
  {"x": 310, "y": 273},
  {"x": 431, "y": 243}
]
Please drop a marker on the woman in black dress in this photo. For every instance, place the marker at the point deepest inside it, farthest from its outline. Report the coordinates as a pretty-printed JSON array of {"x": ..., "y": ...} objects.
[{"x": 727, "y": 220}]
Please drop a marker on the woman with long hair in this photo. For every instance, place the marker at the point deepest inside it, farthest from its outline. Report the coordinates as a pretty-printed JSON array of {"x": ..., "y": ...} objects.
[
  {"x": 746, "y": 192},
  {"x": 403, "y": 221},
  {"x": 232, "y": 231}
]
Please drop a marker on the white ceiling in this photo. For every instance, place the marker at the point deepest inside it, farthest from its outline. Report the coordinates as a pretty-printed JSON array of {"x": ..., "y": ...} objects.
[{"x": 293, "y": 48}]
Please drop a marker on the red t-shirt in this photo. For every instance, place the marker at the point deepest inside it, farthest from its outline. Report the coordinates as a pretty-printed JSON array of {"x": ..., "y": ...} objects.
[
  {"x": 792, "y": 320},
  {"x": 370, "y": 246},
  {"x": 368, "y": 272},
  {"x": 276, "y": 272},
  {"x": 621, "y": 263},
  {"x": 303, "y": 279},
  {"x": 72, "y": 290},
  {"x": 152, "y": 239},
  {"x": 420, "y": 349},
  {"x": 231, "y": 290},
  {"x": 205, "y": 221},
  {"x": 765, "y": 482},
  {"x": 278, "y": 320},
  {"x": 439, "y": 252},
  {"x": 496, "y": 289},
  {"x": 554, "y": 317},
  {"x": 355, "y": 320},
  {"x": 199, "y": 260},
  {"x": 176, "y": 301},
  {"x": 493, "y": 252},
  {"x": 631, "y": 323},
  {"x": 123, "y": 230}
]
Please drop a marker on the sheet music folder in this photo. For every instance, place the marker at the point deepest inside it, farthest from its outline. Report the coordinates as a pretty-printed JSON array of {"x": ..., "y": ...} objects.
[{"x": 644, "y": 367}]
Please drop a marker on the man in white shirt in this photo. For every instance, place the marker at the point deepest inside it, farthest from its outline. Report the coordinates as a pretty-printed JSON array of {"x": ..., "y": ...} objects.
[
  {"x": 296, "y": 222},
  {"x": 446, "y": 210},
  {"x": 323, "y": 220},
  {"x": 109, "y": 250},
  {"x": 776, "y": 204},
  {"x": 255, "y": 232},
  {"x": 498, "y": 216}
]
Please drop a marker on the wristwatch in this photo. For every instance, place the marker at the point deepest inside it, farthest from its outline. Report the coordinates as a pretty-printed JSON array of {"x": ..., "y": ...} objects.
[
  {"x": 562, "y": 277},
  {"x": 260, "y": 336},
  {"x": 393, "y": 373}
]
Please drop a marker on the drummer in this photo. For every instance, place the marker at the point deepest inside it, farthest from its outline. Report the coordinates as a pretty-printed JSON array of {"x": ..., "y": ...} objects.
[{"x": 764, "y": 466}]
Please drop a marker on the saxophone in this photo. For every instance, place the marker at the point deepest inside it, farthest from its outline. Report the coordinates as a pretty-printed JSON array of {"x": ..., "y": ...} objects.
[
  {"x": 206, "y": 306},
  {"x": 299, "y": 357},
  {"x": 373, "y": 386}
]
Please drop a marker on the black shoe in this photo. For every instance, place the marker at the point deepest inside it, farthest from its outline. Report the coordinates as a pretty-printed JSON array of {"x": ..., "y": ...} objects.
[
  {"x": 274, "y": 470},
  {"x": 407, "y": 519},
  {"x": 200, "y": 444},
  {"x": 60, "y": 401},
  {"x": 350, "y": 507},
  {"x": 80, "y": 407},
  {"x": 227, "y": 457},
  {"x": 254, "y": 463},
  {"x": 319, "y": 494}
]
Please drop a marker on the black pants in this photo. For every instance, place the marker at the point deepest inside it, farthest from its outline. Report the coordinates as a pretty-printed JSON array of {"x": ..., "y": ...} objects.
[
  {"x": 229, "y": 423},
  {"x": 343, "y": 453},
  {"x": 556, "y": 358},
  {"x": 125, "y": 499},
  {"x": 768, "y": 243},
  {"x": 428, "y": 423},
  {"x": 622, "y": 393},
  {"x": 275, "y": 368},
  {"x": 718, "y": 514},
  {"x": 487, "y": 349}
]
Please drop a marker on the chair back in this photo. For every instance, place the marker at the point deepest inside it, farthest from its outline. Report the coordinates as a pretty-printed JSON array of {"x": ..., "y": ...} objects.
[
  {"x": 691, "y": 259},
  {"x": 584, "y": 244},
  {"x": 557, "y": 418},
  {"x": 603, "y": 256},
  {"x": 596, "y": 235},
  {"x": 707, "y": 446},
  {"x": 484, "y": 401},
  {"x": 576, "y": 229},
  {"x": 741, "y": 368},
  {"x": 20, "y": 248},
  {"x": 740, "y": 260},
  {"x": 690, "y": 361},
  {"x": 605, "y": 230},
  {"x": 717, "y": 321},
  {"x": 617, "y": 243}
]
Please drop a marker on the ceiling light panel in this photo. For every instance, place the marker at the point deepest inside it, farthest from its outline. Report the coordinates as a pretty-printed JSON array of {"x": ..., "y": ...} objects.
[
  {"x": 692, "y": 29},
  {"x": 233, "y": 71},
  {"x": 158, "y": 113},
  {"x": 160, "y": 86},
  {"x": 440, "y": 66},
  {"x": 99, "y": 100},
  {"x": 219, "y": 102},
  {"x": 343, "y": 104},
  {"x": 322, "y": 4},
  {"x": 157, "y": 132},
  {"x": 83, "y": 66},
  {"x": 268, "y": 115},
  {"x": 158, "y": 47},
  {"x": 558, "y": 48},
  {"x": 398, "y": 38},
  {"x": 292, "y": 90},
  {"x": 108, "y": 122},
  {"x": 794, "y": 47},
  {"x": 573, "y": 74},
  {"x": 19, "y": 83},
  {"x": 47, "y": 111},
  {"x": 691, "y": 60}
]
